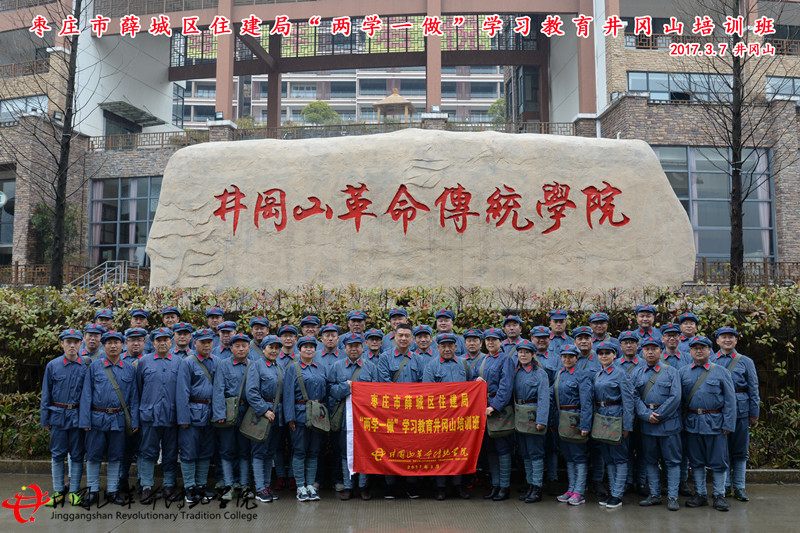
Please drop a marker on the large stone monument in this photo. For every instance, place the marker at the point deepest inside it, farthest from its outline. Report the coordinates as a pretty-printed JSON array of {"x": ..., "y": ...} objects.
[{"x": 420, "y": 207}]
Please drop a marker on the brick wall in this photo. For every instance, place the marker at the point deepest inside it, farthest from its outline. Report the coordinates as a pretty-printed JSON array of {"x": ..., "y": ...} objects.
[{"x": 633, "y": 117}]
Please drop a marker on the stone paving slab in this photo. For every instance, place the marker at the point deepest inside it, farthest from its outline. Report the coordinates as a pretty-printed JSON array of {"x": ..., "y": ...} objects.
[{"x": 772, "y": 509}]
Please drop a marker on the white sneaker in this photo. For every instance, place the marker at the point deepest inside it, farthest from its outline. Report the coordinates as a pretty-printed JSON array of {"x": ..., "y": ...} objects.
[
  {"x": 302, "y": 494},
  {"x": 312, "y": 493},
  {"x": 228, "y": 495}
]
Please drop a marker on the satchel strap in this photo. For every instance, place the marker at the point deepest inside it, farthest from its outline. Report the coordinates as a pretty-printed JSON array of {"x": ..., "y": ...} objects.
[
  {"x": 202, "y": 367},
  {"x": 280, "y": 387},
  {"x": 483, "y": 365},
  {"x": 116, "y": 388},
  {"x": 466, "y": 367},
  {"x": 257, "y": 348},
  {"x": 649, "y": 385},
  {"x": 244, "y": 378},
  {"x": 555, "y": 390},
  {"x": 396, "y": 376},
  {"x": 472, "y": 364},
  {"x": 300, "y": 381},
  {"x": 699, "y": 382},
  {"x": 734, "y": 362}
]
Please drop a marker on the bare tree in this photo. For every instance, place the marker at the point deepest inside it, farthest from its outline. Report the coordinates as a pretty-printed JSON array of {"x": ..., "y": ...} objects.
[
  {"x": 49, "y": 148},
  {"x": 731, "y": 94}
]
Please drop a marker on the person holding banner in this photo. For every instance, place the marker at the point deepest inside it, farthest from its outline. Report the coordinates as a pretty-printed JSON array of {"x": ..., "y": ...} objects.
[
  {"x": 573, "y": 401},
  {"x": 498, "y": 373},
  {"x": 401, "y": 365},
  {"x": 229, "y": 383},
  {"x": 613, "y": 419},
  {"x": 447, "y": 369},
  {"x": 532, "y": 397},
  {"x": 352, "y": 368},
  {"x": 263, "y": 392},
  {"x": 304, "y": 381}
]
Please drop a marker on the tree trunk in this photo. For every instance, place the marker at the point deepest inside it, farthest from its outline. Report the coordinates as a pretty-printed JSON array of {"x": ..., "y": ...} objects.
[{"x": 59, "y": 223}]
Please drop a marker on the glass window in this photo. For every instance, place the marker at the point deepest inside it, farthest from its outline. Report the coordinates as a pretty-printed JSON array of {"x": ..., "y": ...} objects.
[
  {"x": 203, "y": 113},
  {"x": 711, "y": 185},
  {"x": 178, "y": 107},
  {"x": 304, "y": 91},
  {"x": 702, "y": 183},
  {"x": 710, "y": 159},
  {"x": 637, "y": 81},
  {"x": 679, "y": 182},
  {"x": 483, "y": 90},
  {"x": 205, "y": 90},
  {"x": 448, "y": 89},
  {"x": 343, "y": 89},
  {"x": 412, "y": 87},
  {"x": 121, "y": 215},
  {"x": 783, "y": 86},
  {"x": 680, "y": 86},
  {"x": 8, "y": 188},
  {"x": 372, "y": 87}
]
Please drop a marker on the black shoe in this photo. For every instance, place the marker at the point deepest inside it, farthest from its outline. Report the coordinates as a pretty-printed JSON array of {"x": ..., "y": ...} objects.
[
  {"x": 613, "y": 503},
  {"x": 653, "y": 499},
  {"x": 139, "y": 487},
  {"x": 684, "y": 489},
  {"x": 527, "y": 493},
  {"x": 643, "y": 490},
  {"x": 147, "y": 496},
  {"x": 115, "y": 498},
  {"x": 672, "y": 504},
  {"x": 535, "y": 495},
  {"x": 728, "y": 492},
  {"x": 92, "y": 499},
  {"x": 461, "y": 492},
  {"x": 720, "y": 504},
  {"x": 502, "y": 494},
  {"x": 491, "y": 494},
  {"x": 599, "y": 489},
  {"x": 205, "y": 494},
  {"x": 697, "y": 500},
  {"x": 345, "y": 494},
  {"x": 366, "y": 495},
  {"x": 740, "y": 495},
  {"x": 171, "y": 494},
  {"x": 389, "y": 493},
  {"x": 412, "y": 492},
  {"x": 191, "y": 495},
  {"x": 441, "y": 494}
]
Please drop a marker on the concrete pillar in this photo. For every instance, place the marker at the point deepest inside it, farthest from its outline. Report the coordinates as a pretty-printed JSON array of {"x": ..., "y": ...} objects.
[
  {"x": 433, "y": 61},
  {"x": 221, "y": 130},
  {"x": 225, "y": 49},
  {"x": 587, "y": 88},
  {"x": 274, "y": 88},
  {"x": 434, "y": 121}
]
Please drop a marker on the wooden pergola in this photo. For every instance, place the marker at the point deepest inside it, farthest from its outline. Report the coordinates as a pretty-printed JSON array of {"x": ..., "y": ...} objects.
[{"x": 394, "y": 104}]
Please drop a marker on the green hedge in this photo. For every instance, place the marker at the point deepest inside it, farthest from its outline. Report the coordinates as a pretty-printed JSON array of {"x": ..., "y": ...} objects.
[{"x": 767, "y": 318}]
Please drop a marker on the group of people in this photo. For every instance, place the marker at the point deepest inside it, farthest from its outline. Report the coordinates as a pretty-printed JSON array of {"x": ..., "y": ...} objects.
[{"x": 649, "y": 403}]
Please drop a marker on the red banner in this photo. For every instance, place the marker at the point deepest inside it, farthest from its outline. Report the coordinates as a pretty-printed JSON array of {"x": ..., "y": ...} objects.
[{"x": 417, "y": 429}]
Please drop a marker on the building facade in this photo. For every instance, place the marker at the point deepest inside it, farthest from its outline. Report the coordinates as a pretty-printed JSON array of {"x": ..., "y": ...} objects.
[{"x": 625, "y": 87}]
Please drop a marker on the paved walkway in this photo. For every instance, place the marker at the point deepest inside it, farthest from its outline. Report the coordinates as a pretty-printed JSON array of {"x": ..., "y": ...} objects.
[{"x": 772, "y": 509}]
